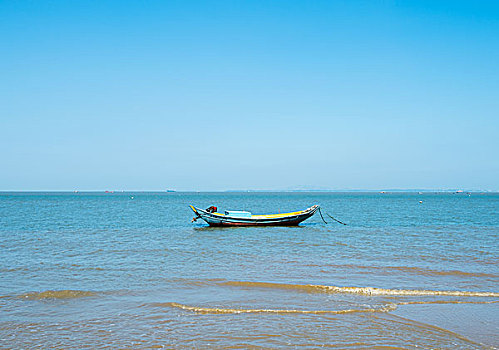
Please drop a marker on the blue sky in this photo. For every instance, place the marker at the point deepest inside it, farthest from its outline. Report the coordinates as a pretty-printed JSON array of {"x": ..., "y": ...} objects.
[{"x": 223, "y": 95}]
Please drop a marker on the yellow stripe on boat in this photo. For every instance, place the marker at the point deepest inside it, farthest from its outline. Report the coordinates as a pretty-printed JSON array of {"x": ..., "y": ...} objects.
[{"x": 272, "y": 216}]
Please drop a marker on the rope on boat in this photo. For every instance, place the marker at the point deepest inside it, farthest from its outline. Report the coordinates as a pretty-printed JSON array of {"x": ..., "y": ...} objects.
[
  {"x": 320, "y": 212},
  {"x": 322, "y": 216}
]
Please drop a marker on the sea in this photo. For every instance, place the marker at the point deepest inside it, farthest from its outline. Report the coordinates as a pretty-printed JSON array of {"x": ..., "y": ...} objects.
[{"x": 130, "y": 270}]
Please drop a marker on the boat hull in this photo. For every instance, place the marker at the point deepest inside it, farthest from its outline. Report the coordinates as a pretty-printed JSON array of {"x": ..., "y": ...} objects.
[{"x": 291, "y": 219}]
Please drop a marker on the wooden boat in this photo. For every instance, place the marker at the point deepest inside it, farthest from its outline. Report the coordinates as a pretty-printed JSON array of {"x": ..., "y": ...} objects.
[{"x": 242, "y": 218}]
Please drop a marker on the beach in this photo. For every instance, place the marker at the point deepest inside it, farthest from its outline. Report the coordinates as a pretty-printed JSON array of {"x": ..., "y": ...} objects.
[{"x": 130, "y": 270}]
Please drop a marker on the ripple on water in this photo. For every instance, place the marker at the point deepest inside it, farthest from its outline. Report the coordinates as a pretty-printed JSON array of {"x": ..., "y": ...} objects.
[{"x": 58, "y": 294}]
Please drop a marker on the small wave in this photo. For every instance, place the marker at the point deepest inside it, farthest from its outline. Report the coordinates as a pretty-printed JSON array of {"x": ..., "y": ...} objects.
[
  {"x": 446, "y": 302},
  {"x": 208, "y": 310},
  {"x": 58, "y": 294},
  {"x": 415, "y": 270},
  {"x": 197, "y": 283},
  {"x": 387, "y": 308},
  {"x": 360, "y": 290}
]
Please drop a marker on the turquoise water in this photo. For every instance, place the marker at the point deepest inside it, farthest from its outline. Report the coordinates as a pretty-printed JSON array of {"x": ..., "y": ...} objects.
[{"x": 93, "y": 269}]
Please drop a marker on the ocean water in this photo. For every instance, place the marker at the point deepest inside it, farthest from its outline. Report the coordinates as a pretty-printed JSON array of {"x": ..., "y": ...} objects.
[{"x": 130, "y": 270}]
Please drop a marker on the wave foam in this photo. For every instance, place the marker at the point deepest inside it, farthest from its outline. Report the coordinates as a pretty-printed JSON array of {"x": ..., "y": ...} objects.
[
  {"x": 361, "y": 290},
  {"x": 208, "y": 310}
]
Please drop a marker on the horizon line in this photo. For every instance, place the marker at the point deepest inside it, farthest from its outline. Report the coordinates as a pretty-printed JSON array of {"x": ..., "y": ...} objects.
[{"x": 459, "y": 190}]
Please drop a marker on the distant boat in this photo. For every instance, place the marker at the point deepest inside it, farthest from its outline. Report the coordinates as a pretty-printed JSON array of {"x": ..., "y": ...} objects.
[{"x": 245, "y": 218}]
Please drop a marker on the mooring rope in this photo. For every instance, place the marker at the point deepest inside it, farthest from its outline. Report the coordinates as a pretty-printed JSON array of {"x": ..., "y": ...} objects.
[{"x": 320, "y": 212}]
